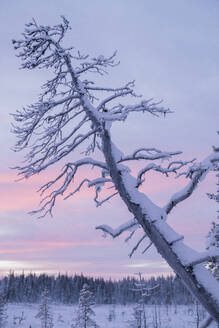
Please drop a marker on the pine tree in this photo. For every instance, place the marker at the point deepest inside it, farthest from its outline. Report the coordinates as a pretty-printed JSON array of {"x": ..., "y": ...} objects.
[
  {"x": 3, "y": 315},
  {"x": 213, "y": 237},
  {"x": 85, "y": 311},
  {"x": 44, "y": 313}
]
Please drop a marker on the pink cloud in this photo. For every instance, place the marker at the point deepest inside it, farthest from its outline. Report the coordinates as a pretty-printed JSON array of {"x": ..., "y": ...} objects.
[
  {"x": 30, "y": 246},
  {"x": 23, "y": 195},
  {"x": 52, "y": 246}
]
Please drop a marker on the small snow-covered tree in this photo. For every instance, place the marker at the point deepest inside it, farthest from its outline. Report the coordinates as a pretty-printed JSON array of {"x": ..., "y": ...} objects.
[
  {"x": 3, "y": 310},
  {"x": 74, "y": 112},
  {"x": 85, "y": 311},
  {"x": 213, "y": 238},
  {"x": 112, "y": 314},
  {"x": 213, "y": 247},
  {"x": 44, "y": 313},
  {"x": 18, "y": 319}
]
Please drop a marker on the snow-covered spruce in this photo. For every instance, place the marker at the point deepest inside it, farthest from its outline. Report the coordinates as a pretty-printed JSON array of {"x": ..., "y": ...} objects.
[
  {"x": 213, "y": 238},
  {"x": 85, "y": 312},
  {"x": 44, "y": 313},
  {"x": 3, "y": 310},
  {"x": 213, "y": 247},
  {"x": 73, "y": 112}
]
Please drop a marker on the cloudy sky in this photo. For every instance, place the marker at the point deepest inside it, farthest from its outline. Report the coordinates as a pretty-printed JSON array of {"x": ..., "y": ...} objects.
[{"x": 171, "y": 49}]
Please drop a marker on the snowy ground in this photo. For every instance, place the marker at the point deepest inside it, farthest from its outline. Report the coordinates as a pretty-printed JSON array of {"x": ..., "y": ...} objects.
[{"x": 157, "y": 316}]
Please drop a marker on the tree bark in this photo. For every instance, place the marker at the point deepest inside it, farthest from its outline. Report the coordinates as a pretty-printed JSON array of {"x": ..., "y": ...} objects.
[{"x": 206, "y": 322}]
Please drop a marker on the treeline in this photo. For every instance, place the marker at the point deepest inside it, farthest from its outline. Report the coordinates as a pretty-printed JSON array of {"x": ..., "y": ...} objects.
[{"x": 65, "y": 289}]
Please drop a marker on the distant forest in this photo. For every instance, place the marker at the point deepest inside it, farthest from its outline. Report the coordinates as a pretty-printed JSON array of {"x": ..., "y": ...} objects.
[{"x": 65, "y": 289}]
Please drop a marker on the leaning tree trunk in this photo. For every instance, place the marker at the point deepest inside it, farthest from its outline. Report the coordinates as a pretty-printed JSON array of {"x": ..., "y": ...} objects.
[
  {"x": 206, "y": 322},
  {"x": 194, "y": 276}
]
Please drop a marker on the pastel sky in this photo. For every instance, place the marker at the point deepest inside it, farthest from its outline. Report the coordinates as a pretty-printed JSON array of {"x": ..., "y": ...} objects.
[{"x": 171, "y": 49}]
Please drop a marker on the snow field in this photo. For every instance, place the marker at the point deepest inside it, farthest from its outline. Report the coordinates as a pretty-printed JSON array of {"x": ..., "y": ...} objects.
[{"x": 162, "y": 316}]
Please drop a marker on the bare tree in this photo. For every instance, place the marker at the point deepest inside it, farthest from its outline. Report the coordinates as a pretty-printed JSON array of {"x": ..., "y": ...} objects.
[
  {"x": 139, "y": 309},
  {"x": 73, "y": 112}
]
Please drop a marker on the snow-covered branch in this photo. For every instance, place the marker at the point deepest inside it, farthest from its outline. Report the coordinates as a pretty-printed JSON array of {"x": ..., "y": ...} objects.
[
  {"x": 173, "y": 167},
  {"x": 121, "y": 112},
  {"x": 148, "y": 154},
  {"x": 203, "y": 259},
  {"x": 131, "y": 225},
  {"x": 65, "y": 178},
  {"x": 96, "y": 65},
  {"x": 196, "y": 173}
]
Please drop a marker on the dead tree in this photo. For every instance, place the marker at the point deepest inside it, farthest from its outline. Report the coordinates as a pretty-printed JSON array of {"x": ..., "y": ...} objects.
[
  {"x": 73, "y": 112},
  {"x": 139, "y": 310}
]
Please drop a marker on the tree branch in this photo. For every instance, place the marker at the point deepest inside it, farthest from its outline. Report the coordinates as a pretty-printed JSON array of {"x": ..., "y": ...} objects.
[
  {"x": 196, "y": 173},
  {"x": 137, "y": 245},
  {"x": 130, "y": 225}
]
